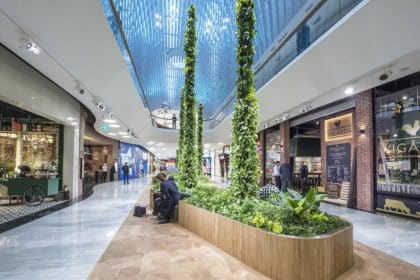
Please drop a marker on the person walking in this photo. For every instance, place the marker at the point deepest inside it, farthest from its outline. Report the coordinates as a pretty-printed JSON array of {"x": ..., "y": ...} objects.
[
  {"x": 174, "y": 121},
  {"x": 303, "y": 177},
  {"x": 276, "y": 174},
  {"x": 126, "y": 171},
  {"x": 112, "y": 172},
  {"x": 104, "y": 173},
  {"x": 286, "y": 176}
]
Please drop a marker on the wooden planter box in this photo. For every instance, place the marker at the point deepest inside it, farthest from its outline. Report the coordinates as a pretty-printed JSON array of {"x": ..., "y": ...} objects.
[
  {"x": 275, "y": 255},
  {"x": 151, "y": 200}
]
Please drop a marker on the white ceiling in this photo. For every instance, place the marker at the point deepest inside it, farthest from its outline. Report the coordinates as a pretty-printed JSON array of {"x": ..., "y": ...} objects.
[{"x": 78, "y": 44}]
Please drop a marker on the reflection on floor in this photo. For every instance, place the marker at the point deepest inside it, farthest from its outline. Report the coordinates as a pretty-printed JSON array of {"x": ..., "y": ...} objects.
[
  {"x": 142, "y": 249},
  {"x": 67, "y": 244},
  {"x": 398, "y": 237}
]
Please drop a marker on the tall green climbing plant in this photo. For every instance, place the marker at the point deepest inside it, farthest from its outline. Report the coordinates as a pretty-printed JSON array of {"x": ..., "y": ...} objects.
[
  {"x": 179, "y": 151},
  {"x": 188, "y": 152},
  {"x": 200, "y": 139},
  {"x": 244, "y": 158}
]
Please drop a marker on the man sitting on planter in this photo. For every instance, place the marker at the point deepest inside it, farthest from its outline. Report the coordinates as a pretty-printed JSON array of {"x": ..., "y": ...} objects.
[{"x": 165, "y": 205}]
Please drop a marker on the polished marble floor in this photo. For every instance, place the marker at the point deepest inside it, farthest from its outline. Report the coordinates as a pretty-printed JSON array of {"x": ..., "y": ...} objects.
[
  {"x": 68, "y": 243},
  {"x": 398, "y": 237}
]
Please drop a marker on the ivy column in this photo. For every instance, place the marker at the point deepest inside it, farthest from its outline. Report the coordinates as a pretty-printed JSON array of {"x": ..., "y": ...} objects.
[{"x": 245, "y": 163}]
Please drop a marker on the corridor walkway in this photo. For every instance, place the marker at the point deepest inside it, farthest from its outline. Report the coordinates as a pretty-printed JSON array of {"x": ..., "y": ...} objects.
[
  {"x": 398, "y": 237},
  {"x": 68, "y": 243}
]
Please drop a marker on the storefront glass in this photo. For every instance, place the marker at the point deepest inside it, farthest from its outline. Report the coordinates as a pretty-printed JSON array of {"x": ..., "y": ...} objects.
[
  {"x": 272, "y": 150},
  {"x": 398, "y": 145},
  {"x": 28, "y": 144}
]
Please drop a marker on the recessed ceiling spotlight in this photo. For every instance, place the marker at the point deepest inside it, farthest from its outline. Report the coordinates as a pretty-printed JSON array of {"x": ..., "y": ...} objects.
[
  {"x": 404, "y": 97},
  {"x": 395, "y": 135},
  {"x": 73, "y": 123},
  {"x": 70, "y": 119},
  {"x": 110, "y": 121},
  {"x": 33, "y": 48},
  {"x": 122, "y": 133},
  {"x": 114, "y": 125},
  {"x": 126, "y": 136},
  {"x": 349, "y": 91},
  {"x": 112, "y": 134}
]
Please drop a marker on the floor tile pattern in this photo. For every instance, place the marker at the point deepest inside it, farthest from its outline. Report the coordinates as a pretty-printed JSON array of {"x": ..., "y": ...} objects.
[
  {"x": 395, "y": 236},
  {"x": 66, "y": 244},
  {"x": 12, "y": 212}
]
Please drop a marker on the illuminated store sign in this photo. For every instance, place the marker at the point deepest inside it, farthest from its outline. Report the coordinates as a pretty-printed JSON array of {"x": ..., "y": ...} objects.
[{"x": 339, "y": 128}]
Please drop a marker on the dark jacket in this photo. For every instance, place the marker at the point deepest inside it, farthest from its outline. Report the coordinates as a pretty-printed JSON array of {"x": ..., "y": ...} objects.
[
  {"x": 125, "y": 169},
  {"x": 286, "y": 170},
  {"x": 113, "y": 169},
  {"x": 303, "y": 172},
  {"x": 169, "y": 189}
]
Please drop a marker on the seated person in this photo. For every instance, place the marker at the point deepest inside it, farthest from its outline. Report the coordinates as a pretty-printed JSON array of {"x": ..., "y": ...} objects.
[
  {"x": 170, "y": 198},
  {"x": 268, "y": 189}
]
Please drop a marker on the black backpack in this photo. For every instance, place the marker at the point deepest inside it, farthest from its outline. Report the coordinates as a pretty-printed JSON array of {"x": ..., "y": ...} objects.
[{"x": 139, "y": 211}]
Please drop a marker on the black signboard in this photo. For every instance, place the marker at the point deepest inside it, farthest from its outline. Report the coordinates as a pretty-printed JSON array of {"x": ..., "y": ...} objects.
[{"x": 338, "y": 163}]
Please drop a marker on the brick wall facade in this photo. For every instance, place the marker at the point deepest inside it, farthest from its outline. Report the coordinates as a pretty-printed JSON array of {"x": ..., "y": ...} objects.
[
  {"x": 285, "y": 141},
  {"x": 365, "y": 150}
]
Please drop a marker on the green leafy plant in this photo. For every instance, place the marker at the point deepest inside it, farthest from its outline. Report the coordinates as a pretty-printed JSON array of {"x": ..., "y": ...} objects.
[
  {"x": 279, "y": 217},
  {"x": 244, "y": 157},
  {"x": 200, "y": 140},
  {"x": 188, "y": 137}
]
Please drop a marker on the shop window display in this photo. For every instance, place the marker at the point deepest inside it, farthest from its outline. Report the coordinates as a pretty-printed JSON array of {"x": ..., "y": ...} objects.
[
  {"x": 398, "y": 150},
  {"x": 272, "y": 150},
  {"x": 28, "y": 144}
]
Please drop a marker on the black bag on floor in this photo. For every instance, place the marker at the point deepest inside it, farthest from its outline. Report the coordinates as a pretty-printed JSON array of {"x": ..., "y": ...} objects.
[{"x": 139, "y": 211}]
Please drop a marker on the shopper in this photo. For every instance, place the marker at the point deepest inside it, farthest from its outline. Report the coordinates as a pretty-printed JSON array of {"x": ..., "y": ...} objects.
[
  {"x": 170, "y": 198},
  {"x": 286, "y": 176},
  {"x": 104, "y": 172},
  {"x": 174, "y": 121},
  {"x": 303, "y": 177},
  {"x": 126, "y": 171},
  {"x": 112, "y": 172},
  {"x": 268, "y": 190},
  {"x": 276, "y": 174}
]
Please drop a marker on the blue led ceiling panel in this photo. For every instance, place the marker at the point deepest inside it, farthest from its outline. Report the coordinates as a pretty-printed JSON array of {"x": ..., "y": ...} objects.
[{"x": 154, "y": 32}]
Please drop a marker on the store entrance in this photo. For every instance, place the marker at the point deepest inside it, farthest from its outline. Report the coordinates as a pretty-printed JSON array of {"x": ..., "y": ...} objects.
[{"x": 305, "y": 148}]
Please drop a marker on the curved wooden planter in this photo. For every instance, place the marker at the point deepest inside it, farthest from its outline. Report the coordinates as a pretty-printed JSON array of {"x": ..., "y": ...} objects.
[{"x": 275, "y": 255}]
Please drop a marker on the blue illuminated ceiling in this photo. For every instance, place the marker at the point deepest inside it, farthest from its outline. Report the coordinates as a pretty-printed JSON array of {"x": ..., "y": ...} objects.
[{"x": 154, "y": 32}]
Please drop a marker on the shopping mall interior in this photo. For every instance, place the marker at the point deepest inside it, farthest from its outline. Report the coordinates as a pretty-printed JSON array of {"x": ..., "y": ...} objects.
[{"x": 209, "y": 139}]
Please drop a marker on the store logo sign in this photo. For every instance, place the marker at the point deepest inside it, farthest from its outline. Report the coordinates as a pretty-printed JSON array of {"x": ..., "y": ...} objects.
[
  {"x": 339, "y": 128},
  {"x": 412, "y": 129}
]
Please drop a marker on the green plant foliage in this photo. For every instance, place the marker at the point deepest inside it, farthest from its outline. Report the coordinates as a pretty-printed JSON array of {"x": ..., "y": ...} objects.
[
  {"x": 244, "y": 158},
  {"x": 200, "y": 140},
  {"x": 281, "y": 216},
  {"x": 182, "y": 126},
  {"x": 188, "y": 138}
]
